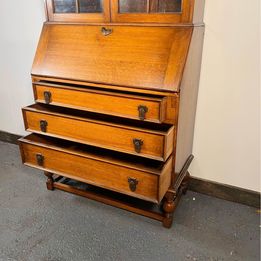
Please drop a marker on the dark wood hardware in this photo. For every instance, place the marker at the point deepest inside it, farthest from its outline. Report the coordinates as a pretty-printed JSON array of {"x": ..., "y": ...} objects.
[
  {"x": 133, "y": 184},
  {"x": 43, "y": 125},
  {"x": 47, "y": 97},
  {"x": 142, "y": 112},
  {"x": 39, "y": 159},
  {"x": 106, "y": 31},
  {"x": 137, "y": 145}
]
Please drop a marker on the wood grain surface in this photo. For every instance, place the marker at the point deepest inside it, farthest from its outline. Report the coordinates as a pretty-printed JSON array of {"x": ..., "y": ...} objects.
[
  {"x": 157, "y": 144},
  {"x": 94, "y": 169},
  {"x": 112, "y": 103},
  {"x": 142, "y": 57}
]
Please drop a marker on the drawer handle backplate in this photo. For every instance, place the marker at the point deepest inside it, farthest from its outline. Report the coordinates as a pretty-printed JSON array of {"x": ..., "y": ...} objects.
[
  {"x": 47, "y": 97},
  {"x": 133, "y": 184},
  {"x": 106, "y": 31},
  {"x": 142, "y": 112},
  {"x": 43, "y": 125},
  {"x": 39, "y": 159},
  {"x": 137, "y": 145}
]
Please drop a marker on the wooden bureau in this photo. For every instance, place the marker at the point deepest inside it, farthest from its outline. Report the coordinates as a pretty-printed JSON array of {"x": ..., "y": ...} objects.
[{"x": 115, "y": 84}]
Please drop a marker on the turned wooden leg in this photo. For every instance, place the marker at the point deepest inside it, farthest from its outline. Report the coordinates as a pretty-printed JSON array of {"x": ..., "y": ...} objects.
[
  {"x": 168, "y": 209},
  {"x": 49, "y": 182},
  {"x": 185, "y": 183}
]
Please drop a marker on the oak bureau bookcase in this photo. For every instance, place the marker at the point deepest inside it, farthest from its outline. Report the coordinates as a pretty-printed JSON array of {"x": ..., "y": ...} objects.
[{"x": 115, "y": 84}]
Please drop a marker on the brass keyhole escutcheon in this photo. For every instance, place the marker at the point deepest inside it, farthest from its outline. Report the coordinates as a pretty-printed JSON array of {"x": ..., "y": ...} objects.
[
  {"x": 137, "y": 145},
  {"x": 106, "y": 31},
  {"x": 47, "y": 97},
  {"x": 39, "y": 159},
  {"x": 43, "y": 125},
  {"x": 133, "y": 184},
  {"x": 142, "y": 112}
]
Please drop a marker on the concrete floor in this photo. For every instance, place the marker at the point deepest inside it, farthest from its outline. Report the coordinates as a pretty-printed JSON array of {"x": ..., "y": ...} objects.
[{"x": 39, "y": 225}]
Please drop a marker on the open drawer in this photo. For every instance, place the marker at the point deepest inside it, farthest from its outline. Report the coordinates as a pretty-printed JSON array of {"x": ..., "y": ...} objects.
[
  {"x": 141, "y": 107},
  {"x": 142, "y": 178},
  {"x": 148, "y": 140}
]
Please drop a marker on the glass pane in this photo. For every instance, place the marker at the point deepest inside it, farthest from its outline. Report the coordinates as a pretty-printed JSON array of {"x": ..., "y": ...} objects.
[
  {"x": 133, "y": 6},
  {"x": 169, "y": 6},
  {"x": 64, "y": 6},
  {"x": 90, "y": 6}
]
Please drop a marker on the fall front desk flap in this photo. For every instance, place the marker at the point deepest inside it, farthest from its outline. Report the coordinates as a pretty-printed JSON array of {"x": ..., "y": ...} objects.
[{"x": 141, "y": 57}]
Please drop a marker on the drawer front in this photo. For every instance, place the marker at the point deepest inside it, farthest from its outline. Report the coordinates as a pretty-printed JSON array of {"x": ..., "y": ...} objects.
[
  {"x": 124, "y": 105},
  {"x": 133, "y": 182},
  {"x": 116, "y": 137}
]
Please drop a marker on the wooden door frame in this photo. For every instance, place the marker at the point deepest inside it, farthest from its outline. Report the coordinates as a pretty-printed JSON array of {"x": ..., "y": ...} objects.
[
  {"x": 183, "y": 17},
  {"x": 78, "y": 17}
]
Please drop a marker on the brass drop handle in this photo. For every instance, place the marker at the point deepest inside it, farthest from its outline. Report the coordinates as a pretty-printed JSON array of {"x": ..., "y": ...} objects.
[
  {"x": 106, "y": 31},
  {"x": 142, "y": 112},
  {"x": 137, "y": 145},
  {"x": 133, "y": 184},
  {"x": 40, "y": 159},
  {"x": 43, "y": 125},
  {"x": 47, "y": 97}
]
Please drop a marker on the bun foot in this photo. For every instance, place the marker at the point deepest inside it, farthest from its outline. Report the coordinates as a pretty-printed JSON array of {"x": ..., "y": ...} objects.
[{"x": 168, "y": 209}]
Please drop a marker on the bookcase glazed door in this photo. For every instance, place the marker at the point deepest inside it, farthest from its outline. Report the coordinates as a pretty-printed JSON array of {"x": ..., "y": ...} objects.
[
  {"x": 152, "y": 11},
  {"x": 95, "y": 11}
]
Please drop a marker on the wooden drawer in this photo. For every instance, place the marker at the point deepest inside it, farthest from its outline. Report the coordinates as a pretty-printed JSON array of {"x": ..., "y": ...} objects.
[
  {"x": 137, "y": 177},
  {"x": 140, "y": 138},
  {"x": 148, "y": 108}
]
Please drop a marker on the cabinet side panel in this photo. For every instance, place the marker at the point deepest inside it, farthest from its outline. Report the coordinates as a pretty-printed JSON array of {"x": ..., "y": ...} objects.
[
  {"x": 188, "y": 99},
  {"x": 198, "y": 11}
]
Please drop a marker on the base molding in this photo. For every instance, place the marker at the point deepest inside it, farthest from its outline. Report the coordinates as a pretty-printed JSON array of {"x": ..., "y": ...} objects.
[
  {"x": 214, "y": 189},
  {"x": 227, "y": 192},
  {"x": 9, "y": 137}
]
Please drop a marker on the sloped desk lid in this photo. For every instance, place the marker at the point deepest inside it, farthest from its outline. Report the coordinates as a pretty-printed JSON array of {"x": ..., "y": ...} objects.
[{"x": 141, "y": 57}]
